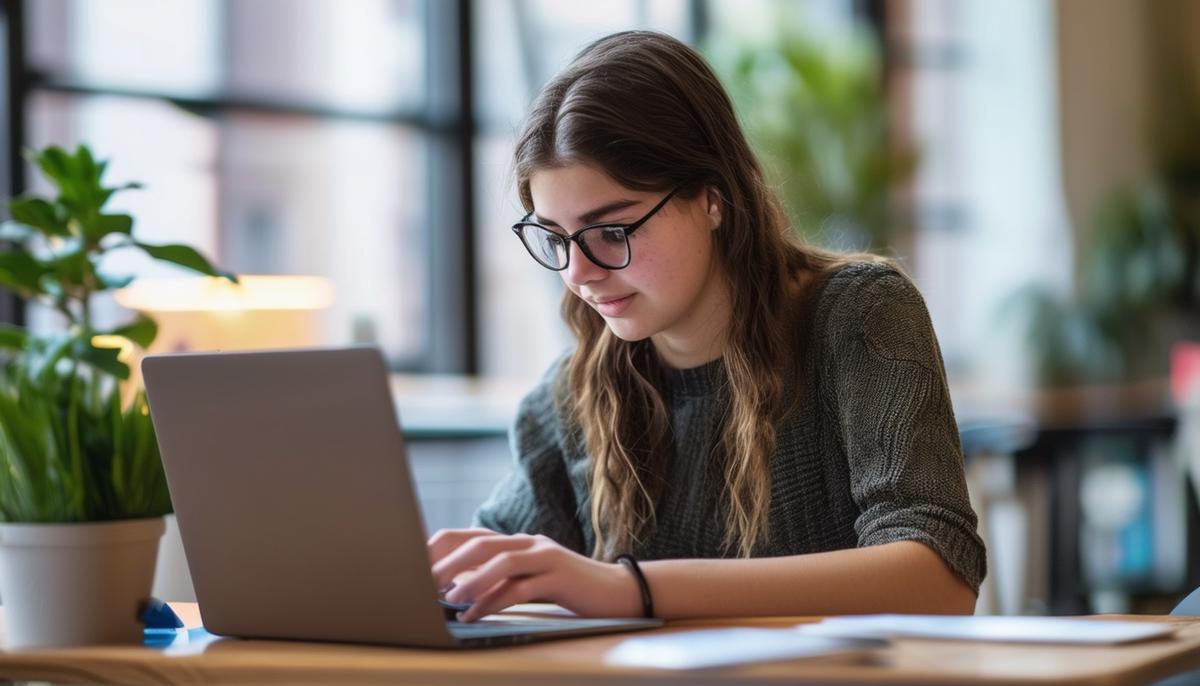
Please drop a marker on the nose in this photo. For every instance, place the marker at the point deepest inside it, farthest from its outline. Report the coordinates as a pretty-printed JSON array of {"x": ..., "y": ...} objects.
[{"x": 580, "y": 269}]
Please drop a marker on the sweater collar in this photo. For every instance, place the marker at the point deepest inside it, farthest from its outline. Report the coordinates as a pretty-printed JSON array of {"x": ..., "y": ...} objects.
[{"x": 697, "y": 381}]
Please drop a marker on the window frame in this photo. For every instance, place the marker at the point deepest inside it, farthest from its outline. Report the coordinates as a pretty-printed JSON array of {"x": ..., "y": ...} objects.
[
  {"x": 444, "y": 121},
  {"x": 448, "y": 121}
]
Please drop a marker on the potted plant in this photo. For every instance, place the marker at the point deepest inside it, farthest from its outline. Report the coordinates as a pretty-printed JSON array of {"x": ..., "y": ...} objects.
[{"x": 82, "y": 496}]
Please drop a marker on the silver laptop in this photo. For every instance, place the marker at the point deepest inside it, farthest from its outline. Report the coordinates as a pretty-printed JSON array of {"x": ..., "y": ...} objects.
[{"x": 295, "y": 503}]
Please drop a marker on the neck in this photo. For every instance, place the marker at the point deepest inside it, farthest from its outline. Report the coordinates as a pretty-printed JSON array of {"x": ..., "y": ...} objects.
[
  {"x": 698, "y": 337},
  {"x": 681, "y": 357}
]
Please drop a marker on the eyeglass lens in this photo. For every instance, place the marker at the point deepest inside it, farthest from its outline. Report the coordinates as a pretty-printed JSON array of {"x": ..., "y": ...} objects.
[{"x": 607, "y": 246}]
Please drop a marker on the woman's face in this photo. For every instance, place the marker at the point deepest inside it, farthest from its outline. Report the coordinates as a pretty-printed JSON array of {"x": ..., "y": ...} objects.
[{"x": 673, "y": 290}]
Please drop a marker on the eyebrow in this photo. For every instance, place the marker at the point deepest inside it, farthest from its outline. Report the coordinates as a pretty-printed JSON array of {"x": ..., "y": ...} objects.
[{"x": 591, "y": 216}]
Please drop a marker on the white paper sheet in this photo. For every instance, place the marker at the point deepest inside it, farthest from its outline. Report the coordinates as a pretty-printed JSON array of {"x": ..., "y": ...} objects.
[
  {"x": 987, "y": 628},
  {"x": 719, "y": 647}
]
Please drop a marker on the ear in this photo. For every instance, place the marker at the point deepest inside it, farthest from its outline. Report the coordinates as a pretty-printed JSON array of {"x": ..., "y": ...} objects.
[{"x": 713, "y": 205}]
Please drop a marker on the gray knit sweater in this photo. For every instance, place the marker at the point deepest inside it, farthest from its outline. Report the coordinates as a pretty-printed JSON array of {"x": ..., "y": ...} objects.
[{"x": 869, "y": 455}]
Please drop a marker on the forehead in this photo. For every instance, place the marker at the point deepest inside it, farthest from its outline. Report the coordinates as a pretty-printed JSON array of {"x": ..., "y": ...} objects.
[{"x": 572, "y": 189}]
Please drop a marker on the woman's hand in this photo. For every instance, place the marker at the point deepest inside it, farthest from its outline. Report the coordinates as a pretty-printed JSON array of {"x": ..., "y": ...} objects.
[{"x": 493, "y": 571}]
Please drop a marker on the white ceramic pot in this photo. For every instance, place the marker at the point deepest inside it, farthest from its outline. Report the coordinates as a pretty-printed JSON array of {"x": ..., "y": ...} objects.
[{"x": 76, "y": 584}]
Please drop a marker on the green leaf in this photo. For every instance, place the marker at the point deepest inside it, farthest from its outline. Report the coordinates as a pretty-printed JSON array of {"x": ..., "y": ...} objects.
[
  {"x": 106, "y": 193},
  {"x": 142, "y": 331},
  {"x": 21, "y": 272},
  {"x": 72, "y": 265},
  {"x": 73, "y": 453},
  {"x": 105, "y": 224},
  {"x": 86, "y": 164},
  {"x": 77, "y": 178},
  {"x": 39, "y": 214},
  {"x": 184, "y": 256},
  {"x": 13, "y": 337},
  {"x": 104, "y": 359},
  {"x": 54, "y": 162},
  {"x": 30, "y": 491},
  {"x": 97, "y": 226},
  {"x": 88, "y": 175}
]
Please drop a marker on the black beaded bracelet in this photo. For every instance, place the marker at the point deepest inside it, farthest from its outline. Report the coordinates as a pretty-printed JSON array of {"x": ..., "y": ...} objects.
[{"x": 647, "y": 602}]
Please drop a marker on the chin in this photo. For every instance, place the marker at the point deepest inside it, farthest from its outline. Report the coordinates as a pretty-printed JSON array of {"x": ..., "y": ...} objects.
[{"x": 627, "y": 330}]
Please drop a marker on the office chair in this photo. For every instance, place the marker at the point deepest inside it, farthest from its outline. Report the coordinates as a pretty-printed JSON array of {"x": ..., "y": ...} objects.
[{"x": 1188, "y": 607}]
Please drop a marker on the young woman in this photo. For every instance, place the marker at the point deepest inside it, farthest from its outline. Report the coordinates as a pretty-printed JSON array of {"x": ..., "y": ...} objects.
[{"x": 751, "y": 425}]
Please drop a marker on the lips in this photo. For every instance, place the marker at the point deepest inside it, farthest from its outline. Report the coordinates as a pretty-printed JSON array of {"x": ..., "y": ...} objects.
[{"x": 612, "y": 306}]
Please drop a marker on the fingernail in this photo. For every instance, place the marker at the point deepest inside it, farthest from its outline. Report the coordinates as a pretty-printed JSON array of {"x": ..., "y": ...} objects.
[{"x": 447, "y": 587}]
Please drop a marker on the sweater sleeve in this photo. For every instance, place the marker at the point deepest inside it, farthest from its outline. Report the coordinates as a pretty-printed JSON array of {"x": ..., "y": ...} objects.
[
  {"x": 536, "y": 496},
  {"x": 897, "y": 423}
]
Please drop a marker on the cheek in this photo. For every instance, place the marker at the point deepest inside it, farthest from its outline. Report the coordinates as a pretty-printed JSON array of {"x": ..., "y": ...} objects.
[
  {"x": 650, "y": 276},
  {"x": 673, "y": 273}
]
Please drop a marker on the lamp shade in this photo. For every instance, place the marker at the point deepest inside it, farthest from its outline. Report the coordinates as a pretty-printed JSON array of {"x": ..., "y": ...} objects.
[{"x": 206, "y": 313}]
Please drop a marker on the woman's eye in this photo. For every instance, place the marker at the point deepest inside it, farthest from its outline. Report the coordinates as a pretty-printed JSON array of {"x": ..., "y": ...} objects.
[{"x": 613, "y": 235}]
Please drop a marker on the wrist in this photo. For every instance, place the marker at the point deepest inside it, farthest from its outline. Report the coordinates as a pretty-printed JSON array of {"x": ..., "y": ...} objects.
[
  {"x": 645, "y": 600},
  {"x": 627, "y": 595}
]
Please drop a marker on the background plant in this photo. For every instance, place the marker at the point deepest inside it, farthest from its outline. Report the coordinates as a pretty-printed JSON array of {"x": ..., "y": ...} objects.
[
  {"x": 1136, "y": 291},
  {"x": 1137, "y": 284},
  {"x": 816, "y": 113},
  {"x": 70, "y": 449}
]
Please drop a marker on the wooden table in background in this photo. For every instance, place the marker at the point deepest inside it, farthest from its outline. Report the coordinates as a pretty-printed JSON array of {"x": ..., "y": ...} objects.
[{"x": 581, "y": 661}]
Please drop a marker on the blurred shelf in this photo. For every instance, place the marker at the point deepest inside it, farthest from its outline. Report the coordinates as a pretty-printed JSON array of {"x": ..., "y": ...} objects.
[
  {"x": 1031, "y": 455},
  {"x": 1096, "y": 407},
  {"x": 445, "y": 407}
]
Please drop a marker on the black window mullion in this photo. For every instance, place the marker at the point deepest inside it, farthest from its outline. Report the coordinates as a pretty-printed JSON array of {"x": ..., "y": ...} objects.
[
  {"x": 468, "y": 330},
  {"x": 12, "y": 114},
  {"x": 212, "y": 105},
  {"x": 452, "y": 339}
]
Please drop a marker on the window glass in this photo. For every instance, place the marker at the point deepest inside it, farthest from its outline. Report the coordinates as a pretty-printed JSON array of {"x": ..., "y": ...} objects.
[
  {"x": 261, "y": 190},
  {"x": 127, "y": 44},
  {"x": 339, "y": 199},
  {"x": 365, "y": 56}
]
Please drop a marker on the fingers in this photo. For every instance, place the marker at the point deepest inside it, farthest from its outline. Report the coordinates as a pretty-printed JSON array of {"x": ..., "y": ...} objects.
[
  {"x": 505, "y": 594},
  {"x": 446, "y": 541},
  {"x": 475, "y": 552},
  {"x": 503, "y": 566}
]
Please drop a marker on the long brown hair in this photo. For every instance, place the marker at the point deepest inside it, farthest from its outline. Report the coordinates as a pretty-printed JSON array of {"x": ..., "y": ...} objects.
[{"x": 650, "y": 112}]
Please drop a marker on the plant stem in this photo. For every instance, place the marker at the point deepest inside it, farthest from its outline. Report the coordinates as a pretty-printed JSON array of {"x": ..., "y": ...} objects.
[
  {"x": 85, "y": 301},
  {"x": 76, "y": 452}
]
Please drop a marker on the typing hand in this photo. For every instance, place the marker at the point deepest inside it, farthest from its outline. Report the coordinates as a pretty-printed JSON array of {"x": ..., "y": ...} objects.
[{"x": 493, "y": 571}]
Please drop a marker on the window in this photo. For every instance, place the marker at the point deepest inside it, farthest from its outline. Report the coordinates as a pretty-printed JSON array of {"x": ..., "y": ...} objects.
[
  {"x": 976, "y": 86},
  {"x": 276, "y": 136},
  {"x": 367, "y": 142}
]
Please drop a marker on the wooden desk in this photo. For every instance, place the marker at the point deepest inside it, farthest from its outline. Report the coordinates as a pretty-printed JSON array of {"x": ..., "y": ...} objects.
[{"x": 581, "y": 661}]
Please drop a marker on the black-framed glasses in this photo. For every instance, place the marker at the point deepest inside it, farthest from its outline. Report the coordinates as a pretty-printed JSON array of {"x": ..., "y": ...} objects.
[{"x": 606, "y": 245}]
